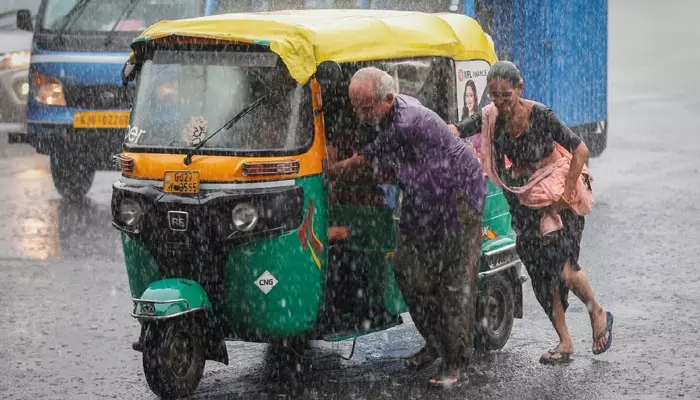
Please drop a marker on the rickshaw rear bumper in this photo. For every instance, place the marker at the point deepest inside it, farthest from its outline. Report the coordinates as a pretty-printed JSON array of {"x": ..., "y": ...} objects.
[{"x": 170, "y": 298}]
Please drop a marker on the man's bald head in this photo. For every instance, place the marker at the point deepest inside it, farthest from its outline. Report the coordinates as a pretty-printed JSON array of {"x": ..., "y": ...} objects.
[{"x": 372, "y": 94}]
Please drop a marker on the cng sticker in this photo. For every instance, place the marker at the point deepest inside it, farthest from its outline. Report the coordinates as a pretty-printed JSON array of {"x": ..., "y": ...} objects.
[{"x": 266, "y": 282}]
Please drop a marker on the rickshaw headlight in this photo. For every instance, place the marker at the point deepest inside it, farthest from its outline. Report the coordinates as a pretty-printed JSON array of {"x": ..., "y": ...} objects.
[
  {"x": 130, "y": 212},
  {"x": 245, "y": 217}
]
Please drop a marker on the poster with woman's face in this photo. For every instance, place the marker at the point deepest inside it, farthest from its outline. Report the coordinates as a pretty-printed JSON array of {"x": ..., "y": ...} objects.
[{"x": 471, "y": 86}]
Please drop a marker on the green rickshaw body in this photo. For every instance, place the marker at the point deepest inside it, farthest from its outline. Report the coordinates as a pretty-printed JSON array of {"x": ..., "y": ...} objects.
[
  {"x": 295, "y": 260},
  {"x": 226, "y": 235}
]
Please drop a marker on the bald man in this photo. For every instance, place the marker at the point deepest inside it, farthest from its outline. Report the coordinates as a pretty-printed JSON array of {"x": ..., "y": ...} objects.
[{"x": 439, "y": 241}]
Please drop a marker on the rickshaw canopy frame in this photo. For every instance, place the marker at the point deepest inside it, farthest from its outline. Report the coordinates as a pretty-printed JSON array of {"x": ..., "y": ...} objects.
[{"x": 305, "y": 38}]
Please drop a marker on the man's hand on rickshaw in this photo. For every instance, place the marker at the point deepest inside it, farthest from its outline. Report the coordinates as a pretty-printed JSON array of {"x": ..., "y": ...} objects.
[
  {"x": 346, "y": 165},
  {"x": 338, "y": 233},
  {"x": 332, "y": 155}
]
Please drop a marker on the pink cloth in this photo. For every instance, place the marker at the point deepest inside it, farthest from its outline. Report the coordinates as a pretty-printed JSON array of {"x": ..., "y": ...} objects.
[{"x": 546, "y": 185}]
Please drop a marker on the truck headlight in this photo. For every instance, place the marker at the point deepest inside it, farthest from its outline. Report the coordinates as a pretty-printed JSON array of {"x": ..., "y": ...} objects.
[
  {"x": 245, "y": 217},
  {"x": 130, "y": 212},
  {"x": 48, "y": 90},
  {"x": 15, "y": 60}
]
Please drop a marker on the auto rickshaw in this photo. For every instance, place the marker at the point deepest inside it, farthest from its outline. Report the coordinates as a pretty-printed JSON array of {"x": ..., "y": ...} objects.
[{"x": 224, "y": 203}]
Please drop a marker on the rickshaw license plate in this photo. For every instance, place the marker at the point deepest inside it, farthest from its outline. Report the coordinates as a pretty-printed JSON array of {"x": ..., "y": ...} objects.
[
  {"x": 181, "y": 182},
  {"x": 101, "y": 119}
]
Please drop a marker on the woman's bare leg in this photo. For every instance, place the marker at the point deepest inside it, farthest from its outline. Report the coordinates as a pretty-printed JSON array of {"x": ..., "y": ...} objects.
[
  {"x": 577, "y": 282},
  {"x": 558, "y": 319}
]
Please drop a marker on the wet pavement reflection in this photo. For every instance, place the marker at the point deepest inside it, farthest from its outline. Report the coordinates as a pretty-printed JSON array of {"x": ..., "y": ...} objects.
[{"x": 44, "y": 226}]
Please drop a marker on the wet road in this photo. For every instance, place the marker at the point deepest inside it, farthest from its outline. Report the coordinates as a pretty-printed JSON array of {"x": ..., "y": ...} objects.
[{"x": 65, "y": 329}]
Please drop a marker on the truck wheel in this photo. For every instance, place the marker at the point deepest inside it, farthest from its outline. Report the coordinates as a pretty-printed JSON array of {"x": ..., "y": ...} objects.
[
  {"x": 173, "y": 358},
  {"x": 494, "y": 314},
  {"x": 71, "y": 178}
]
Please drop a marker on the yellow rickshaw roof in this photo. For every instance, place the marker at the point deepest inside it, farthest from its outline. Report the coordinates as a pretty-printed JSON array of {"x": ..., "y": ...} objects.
[{"x": 305, "y": 38}]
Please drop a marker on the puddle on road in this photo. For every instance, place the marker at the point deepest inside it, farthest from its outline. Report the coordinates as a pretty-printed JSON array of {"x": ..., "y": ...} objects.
[
  {"x": 38, "y": 236},
  {"x": 40, "y": 225}
]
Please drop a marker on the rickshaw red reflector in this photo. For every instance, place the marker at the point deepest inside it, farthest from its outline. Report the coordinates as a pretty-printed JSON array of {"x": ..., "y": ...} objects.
[
  {"x": 271, "y": 168},
  {"x": 123, "y": 163}
]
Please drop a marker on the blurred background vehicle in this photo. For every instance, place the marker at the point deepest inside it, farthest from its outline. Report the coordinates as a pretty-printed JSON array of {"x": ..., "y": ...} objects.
[
  {"x": 15, "y": 52},
  {"x": 77, "y": 107}
]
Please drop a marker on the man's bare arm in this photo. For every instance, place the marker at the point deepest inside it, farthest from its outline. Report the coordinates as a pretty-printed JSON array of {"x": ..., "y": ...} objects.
[{"x": 347, "y": 165}]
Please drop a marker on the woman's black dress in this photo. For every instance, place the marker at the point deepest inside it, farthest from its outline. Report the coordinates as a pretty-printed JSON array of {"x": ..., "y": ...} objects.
[{"x": 544, "y": 257}]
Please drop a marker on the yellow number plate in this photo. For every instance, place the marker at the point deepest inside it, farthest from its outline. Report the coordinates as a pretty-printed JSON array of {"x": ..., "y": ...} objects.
[
  {"x": 181, "y": 182},
  {"x": 101, "y": 119}
]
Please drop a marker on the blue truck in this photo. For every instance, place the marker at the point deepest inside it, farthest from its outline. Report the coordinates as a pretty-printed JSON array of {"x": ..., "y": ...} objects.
[
  {"x": 77, "y": 109},
  {"x": 560, "y": 46}
]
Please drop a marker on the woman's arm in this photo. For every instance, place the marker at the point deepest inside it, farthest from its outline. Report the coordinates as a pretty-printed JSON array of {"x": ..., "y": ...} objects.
[
  {"x": 569, "y": 140},
  {"x": 467, "y": 127},
  {"x": 577, "y": 163}
]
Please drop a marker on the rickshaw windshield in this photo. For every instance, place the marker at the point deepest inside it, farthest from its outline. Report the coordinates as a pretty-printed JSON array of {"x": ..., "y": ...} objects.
[{"x": 185, "y": 96}]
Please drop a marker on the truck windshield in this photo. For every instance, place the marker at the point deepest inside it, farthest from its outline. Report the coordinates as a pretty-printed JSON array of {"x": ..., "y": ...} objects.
[
  {"x": 101, "y": 16},
  {"x": 184, "y": 96}
]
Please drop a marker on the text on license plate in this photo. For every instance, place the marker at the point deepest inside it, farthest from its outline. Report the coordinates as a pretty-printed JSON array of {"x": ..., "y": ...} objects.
[
  {"x": 101, "y": 119},
  {"x": 181, "y": 182}
]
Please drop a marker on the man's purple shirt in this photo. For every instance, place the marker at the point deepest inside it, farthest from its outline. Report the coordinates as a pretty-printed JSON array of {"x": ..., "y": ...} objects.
[{"x": 432, "y": 166}]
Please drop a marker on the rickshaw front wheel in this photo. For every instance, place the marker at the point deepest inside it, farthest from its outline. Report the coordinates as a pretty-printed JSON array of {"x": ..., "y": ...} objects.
[
  {"x": 495, "y": 313},
  {"x": 173, "y": 357}
]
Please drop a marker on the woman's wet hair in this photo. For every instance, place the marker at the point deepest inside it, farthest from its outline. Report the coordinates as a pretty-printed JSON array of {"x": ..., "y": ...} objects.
[{"x": 506, "y": 71}]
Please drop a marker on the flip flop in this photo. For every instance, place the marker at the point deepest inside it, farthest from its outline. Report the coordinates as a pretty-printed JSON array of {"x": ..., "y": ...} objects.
[
  {"x": 564, "y": 357},
  {"x": 608, "y": 330},
  {"x": 420, "y": 360}
]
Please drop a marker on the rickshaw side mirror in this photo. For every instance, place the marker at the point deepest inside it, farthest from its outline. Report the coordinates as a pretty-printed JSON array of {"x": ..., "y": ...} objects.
[
  {"x": 129, "y": 72},
  {"x": 329, "y": 72},
  {"x": 24, "y": 20}
]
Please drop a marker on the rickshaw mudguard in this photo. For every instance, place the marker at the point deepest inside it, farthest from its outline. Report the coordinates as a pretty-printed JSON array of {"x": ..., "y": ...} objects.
[
  {"x": 169, "y": 298},
  {"x": 499, "y": 256},
  {"x": 494, "y": 245}
]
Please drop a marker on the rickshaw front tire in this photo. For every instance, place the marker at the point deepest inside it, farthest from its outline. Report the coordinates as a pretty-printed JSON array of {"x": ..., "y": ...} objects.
[{"x": 173, "y": 357}]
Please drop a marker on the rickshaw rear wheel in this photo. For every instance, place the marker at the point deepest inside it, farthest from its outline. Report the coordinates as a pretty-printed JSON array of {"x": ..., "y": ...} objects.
[
  {"x": 495, "y": 313},
  {"x": 173, "y": 357},
  {"x": 71, "y": 178}
]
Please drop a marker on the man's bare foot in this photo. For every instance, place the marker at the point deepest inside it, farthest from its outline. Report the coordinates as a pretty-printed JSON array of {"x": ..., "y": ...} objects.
[{"x": 559, "y": 354}]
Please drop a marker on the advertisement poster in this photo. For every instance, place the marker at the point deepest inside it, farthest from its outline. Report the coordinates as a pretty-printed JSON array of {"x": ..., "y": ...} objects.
[{"x": 471, "y": 86}]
